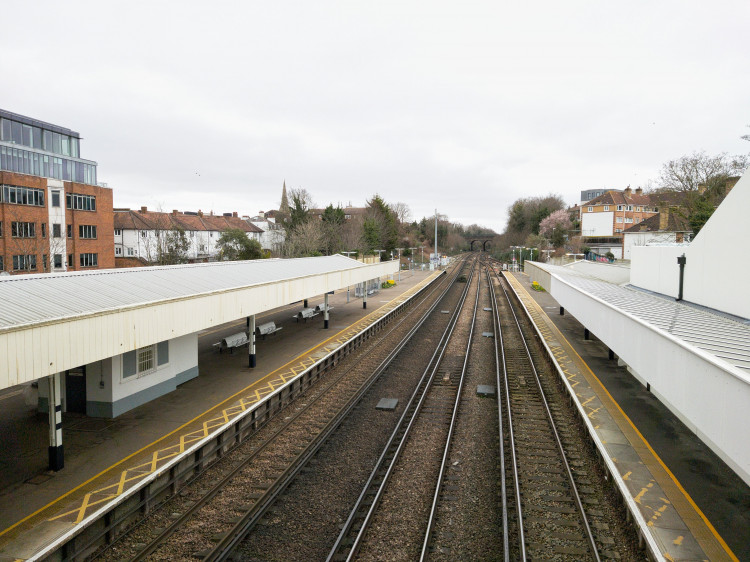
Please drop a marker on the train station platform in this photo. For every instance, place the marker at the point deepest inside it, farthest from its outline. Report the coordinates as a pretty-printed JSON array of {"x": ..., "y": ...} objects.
[
  {"x": 695, "y": 506},
  {"x": 105, "y": 457}
]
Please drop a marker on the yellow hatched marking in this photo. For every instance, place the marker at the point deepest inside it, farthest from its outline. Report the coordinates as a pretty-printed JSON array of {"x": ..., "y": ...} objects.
[{"x": 138, "y": 472}]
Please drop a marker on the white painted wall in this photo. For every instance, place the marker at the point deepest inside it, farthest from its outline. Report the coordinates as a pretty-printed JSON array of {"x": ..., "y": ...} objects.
[
  {"x": 631, "y": 239},
  {"x": 708, "y": 395},
  {"x": 183, "y": 355},
  {"x": 597, "y": 224},
  {"x": 717, "y": 269},
  {"x": 57, "y": 216}
]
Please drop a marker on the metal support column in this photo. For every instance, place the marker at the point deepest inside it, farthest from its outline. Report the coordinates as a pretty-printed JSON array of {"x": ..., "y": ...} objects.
[
  {"x": 585, "y": 333},
  {"x": 611, "y": 354},
  {"x": 364, "y": 295},
  {"x": 562, "y": 311},
  {"x": 251, "y": 339},
  {"x": 56, "y": 457},
  {"x": 305, "y": 304},
  {"x": 325, "y": 312}
]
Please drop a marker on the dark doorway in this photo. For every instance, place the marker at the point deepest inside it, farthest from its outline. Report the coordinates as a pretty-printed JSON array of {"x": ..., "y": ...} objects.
[{"x": 75, "y": 390}]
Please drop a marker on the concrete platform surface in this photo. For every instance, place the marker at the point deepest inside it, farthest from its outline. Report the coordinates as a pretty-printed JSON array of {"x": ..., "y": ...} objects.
[
  {"x": 103, "y": 457},
  {"x": 696, "y": 507}
]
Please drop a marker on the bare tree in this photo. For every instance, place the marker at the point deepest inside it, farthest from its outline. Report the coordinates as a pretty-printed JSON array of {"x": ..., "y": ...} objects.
[
  {"x": 688, "y": 173},
  {"x": 306, "y": 240}
]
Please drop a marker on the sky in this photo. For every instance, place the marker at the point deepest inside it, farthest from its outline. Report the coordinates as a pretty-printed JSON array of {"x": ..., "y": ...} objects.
[{"x": 462, "y": 107}]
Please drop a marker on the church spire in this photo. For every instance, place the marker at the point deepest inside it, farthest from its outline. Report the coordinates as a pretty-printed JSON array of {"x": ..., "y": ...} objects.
[{"x": 284, "y": 206}]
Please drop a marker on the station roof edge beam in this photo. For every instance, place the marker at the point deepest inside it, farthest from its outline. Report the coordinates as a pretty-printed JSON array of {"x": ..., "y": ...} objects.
[{"x": 53, "y": 322}]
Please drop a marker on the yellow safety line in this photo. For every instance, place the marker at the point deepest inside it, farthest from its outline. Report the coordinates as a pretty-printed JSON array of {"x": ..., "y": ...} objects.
[
  {"x": 674, "y": 479},
  {"x": 141, "y": 469}
]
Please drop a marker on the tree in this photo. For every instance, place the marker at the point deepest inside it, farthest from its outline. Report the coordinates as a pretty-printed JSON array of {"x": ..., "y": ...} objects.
[
  {"x": 380, "y": 226},
  {"x": 689, "y": 173},
  {"x": 299, "y": 210},
  {"x": 555, "y": 227},
  {"x": 333, "y": 219},
  {"x": 174, "y": 248},
  {"x": 234, "y": 244},
  {"x": 524, "y": 216},
  {"x": 305, "y": 240},
  {"x": 701, "y": 182}
]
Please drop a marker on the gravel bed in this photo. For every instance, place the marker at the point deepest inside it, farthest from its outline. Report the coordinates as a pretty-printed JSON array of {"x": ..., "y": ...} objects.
[
  {"x": 213, "y": 518},
  {"x": 398, "y": 527},
  {"x": 468, "y": 525},
  {"x": 308, "y": 517},
  {"x": 551, "y": 522}
]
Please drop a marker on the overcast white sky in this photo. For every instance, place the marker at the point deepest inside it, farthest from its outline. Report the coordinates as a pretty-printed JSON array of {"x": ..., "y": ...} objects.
[{"x": 464, "y": 106}]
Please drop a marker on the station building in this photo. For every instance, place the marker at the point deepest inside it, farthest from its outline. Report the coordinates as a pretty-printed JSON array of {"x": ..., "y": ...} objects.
[{"x": 53, "y": 215}]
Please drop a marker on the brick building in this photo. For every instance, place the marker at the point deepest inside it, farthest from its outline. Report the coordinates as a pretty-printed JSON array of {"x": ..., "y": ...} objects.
[
  {"x": 53, "y": 216},
  {"x": 612, "y": 212}
]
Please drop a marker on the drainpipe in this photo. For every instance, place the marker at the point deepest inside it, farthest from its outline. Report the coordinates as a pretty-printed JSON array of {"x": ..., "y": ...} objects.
[{"x": 681, "y": 262}]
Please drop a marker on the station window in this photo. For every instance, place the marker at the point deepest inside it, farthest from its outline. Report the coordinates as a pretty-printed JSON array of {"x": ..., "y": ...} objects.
[
  {"x": 55, "y": 198},
  {"x": 118, "y": 251},
  {"x": 145, "y": 360}
]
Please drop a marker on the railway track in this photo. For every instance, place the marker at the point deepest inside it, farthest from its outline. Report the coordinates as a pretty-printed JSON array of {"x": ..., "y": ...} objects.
[
  {"x": 556, "y": 501},
  {"x": 423, "y": 432},
  {"x": 209, "y": 517}
]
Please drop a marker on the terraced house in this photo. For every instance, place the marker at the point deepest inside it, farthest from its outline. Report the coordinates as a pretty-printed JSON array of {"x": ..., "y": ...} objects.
[
  {"x": 146, "y": 237},
  {"x": 53, "y": 215}
]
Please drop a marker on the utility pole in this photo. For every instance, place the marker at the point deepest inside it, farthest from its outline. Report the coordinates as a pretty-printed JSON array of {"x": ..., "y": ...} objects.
[{"x": 436, "y": 252}]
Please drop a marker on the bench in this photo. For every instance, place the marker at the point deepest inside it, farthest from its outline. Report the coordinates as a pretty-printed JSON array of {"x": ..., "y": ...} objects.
[
  {"x": 230, "y": 342},
  {"x": 268, "y": 328},
  {"x": 306, "y": 313}
]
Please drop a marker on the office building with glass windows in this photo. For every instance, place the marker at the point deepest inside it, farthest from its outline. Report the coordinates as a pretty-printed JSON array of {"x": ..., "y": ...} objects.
[{"x": 53, "y": 215}]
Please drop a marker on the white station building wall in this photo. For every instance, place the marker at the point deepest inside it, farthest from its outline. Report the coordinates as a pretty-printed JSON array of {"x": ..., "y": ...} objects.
[{"x": 716, "y": 272}]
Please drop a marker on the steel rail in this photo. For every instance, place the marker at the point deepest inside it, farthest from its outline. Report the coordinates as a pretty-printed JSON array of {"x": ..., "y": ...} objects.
[
  {"x": 574, "y": 488},
  {"x": 219, "y": 486},
  {"x": 449, "y": 437},
  {"x": 500, "y": 352},
  {"x": 234, "y": 537},
  {"x": 419, "y": 396}
]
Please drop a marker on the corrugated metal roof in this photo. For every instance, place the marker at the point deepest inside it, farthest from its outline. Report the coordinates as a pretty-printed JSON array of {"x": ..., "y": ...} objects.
[
  {"x": 32, "y": 299},
  {"x": 714, "y": 333}
]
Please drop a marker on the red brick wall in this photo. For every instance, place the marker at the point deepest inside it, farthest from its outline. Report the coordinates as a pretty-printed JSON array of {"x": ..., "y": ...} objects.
[
  {"x": 9, "y": 213},
  {"x": 102, "y": 218}
]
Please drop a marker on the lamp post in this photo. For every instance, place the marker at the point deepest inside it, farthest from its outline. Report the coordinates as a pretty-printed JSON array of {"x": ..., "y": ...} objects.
[
  {"x": 399, "y": 264},
  {"x": 412, "y": 257},
  {"x": 421, "y": 262}
]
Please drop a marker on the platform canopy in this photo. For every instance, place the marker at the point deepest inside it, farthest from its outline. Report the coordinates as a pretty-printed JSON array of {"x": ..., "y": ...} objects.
[{"x": 53, "y": 322}]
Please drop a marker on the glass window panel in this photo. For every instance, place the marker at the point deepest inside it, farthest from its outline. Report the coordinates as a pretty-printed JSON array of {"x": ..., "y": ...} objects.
[
  {"x": 74, "y": 147},
  {"x": 47, "y": 136},
  {"x": 56, "y": 148},
  {"x": 16, "y": 132},
  {"x": 65, "y": 144},
  {"x": 26, "y": 133},
  {"x": 37, "y": 137},
  {"x": 5, "y": 133}
]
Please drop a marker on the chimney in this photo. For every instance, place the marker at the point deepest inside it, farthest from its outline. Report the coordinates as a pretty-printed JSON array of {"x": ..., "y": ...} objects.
[
  {"x": 628, "y": 191},
  {"x": 200, "y": 213},
  {"x": 234, "y": 214},
  {"x": 144, "y": 209},
  {"x": 175, "y": 211},
  {"x": 663, "y": 217},
  {"x": 639, "y": 191}
]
